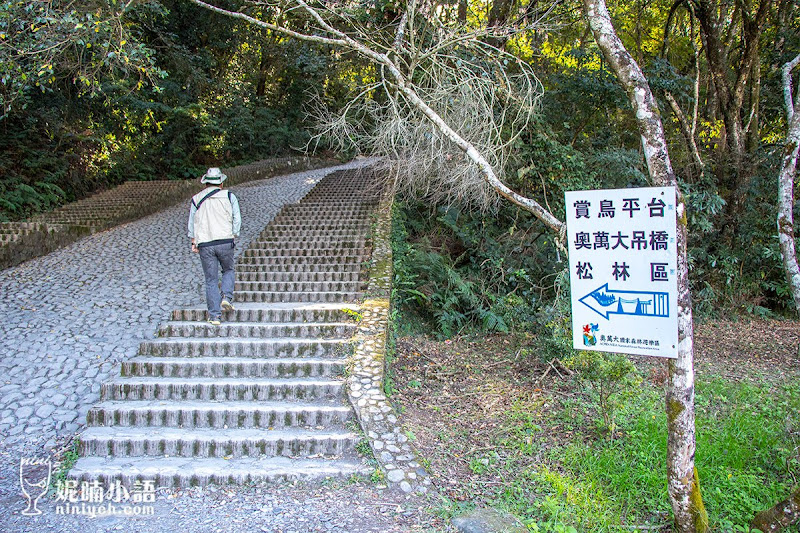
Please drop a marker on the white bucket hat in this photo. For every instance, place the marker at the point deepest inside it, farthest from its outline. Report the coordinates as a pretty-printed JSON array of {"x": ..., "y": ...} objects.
[{"x": 214, "y": 176}]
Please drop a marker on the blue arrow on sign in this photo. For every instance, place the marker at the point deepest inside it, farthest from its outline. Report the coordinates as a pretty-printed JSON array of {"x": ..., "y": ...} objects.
[{"x": 605, "y": 302}]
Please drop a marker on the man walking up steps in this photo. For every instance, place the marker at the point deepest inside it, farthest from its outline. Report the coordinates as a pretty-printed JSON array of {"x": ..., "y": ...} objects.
[{"x": 214, "y": 224}]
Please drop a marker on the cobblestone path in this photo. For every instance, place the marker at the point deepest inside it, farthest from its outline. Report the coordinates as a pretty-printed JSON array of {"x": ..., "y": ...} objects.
[
  {"x": 260, "y": 397},
  {"x": 70, "y": 318}
]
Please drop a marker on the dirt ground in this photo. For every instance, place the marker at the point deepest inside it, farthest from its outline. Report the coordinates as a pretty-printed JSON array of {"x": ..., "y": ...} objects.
[{"x": 455, "y": 396}]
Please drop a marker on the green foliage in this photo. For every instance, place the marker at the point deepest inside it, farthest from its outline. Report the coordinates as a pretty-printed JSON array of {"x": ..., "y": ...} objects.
[
  {"x": 363, "y": 448},
  {"x": 740, "y": 479},
  {"x": 107, "y": 108},
  {"x": 19, "y": 199},
  {"x": 67, "y": 460},
  {"x": 353, "y": 314},
  {"x": 610, "y": 380},
  {"x": 49, "y": 43},
  {"x": 596, "y": 485},
  {"x": 461, "y": 270},
  {"x": 737, "y": 269},
  {"x": 737, "y": 480},
  {"x": 378, "y": 476},
  {"x": 103, "y": 91},
  {"x": 520, "y": 430}
]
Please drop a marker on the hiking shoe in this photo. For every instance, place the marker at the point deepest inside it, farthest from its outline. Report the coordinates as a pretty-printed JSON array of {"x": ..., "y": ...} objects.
[
  {"x": 226, "y": 305},
  {"x": 214, "y": 321}
]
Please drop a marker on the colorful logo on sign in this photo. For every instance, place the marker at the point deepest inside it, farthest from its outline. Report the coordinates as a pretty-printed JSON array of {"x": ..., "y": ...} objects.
[{"x": 589, "y": 338}]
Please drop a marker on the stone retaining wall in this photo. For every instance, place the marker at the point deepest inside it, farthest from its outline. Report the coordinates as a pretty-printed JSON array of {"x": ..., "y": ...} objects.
[{"x": 391, "y": 446}]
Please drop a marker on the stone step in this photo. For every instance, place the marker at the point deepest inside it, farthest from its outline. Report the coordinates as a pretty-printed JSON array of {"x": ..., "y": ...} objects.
[
  {"x": 208, "y": 442},
  {"x": 332, "y": 296},
  {"x": 287, "y": 224},
  {"x": 329, "y": 207},
  {"x": 202, "y": 329},
  {"x": 221, "y": 347},
  {"x": 277, "y": 312},
  {"x": 314, "y": 243},
  {"x": 294, "y": 270},
  {"x": 209, "y": 414},
  {"x": 225, "y": 367},
  {"x": 262, "y": 396},
  {"x": 301, "y": 286},
  {"x": 353, "y": 191},
  {"x": 336, "y": 198},
  {"x": 322, "y": 239},
  {"x": 300, "y": 276},
  {"x": 236, "y": 389},
  {"x": 300, "y": 264},
  {"x": 311, "y": 253},
  {"x": 302, "y": 260},
  {"x": 322, "y": 214},
  {"x": 271, "y": 234},
  {"x": 315, "y": 220},
  {"x": 188, "y": 471},
  {"x": 310, "y": 241}
]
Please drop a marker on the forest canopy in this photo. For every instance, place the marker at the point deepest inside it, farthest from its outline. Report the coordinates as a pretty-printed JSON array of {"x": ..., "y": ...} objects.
[{"x": 95, "y": 93}]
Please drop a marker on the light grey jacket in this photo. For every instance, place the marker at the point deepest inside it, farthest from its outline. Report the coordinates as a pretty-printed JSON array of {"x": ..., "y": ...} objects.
[{"x": 214, "y": 217}]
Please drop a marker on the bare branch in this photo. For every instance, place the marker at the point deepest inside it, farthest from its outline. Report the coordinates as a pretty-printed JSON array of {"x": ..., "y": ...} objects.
[
  {"x": 686, "y": 129},
  {"x": 273, "y": 27},
  {"x": 444, "y": 133}
]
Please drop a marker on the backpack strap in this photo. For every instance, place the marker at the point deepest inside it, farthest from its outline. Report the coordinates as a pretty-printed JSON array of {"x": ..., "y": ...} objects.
[{"x": 206, "y": 197}]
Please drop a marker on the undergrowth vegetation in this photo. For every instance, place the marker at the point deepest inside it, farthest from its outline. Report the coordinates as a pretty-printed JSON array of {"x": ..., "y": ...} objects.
[
  {"x": 455, "y": 271},
  {"x": 496, "y": 433}
]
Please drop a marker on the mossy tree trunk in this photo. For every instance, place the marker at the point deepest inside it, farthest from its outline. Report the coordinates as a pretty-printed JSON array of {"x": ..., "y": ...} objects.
[
  {"x": 682, "y": 480},
  {"x": 786, "y": 183},
  {"x": 779, "y": 517}
]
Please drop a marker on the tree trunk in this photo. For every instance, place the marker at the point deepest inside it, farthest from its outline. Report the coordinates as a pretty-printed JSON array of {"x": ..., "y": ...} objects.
[
  {"x": 405, "y": 86},
  {"x": 462, "y": 11},
  {"x": 786, "y": 184},
  {"x": 686, "y": 130},
  {"x": 732, "y": 80},
  {"x": 682, "y": 481},
  {"x": 498, "y": 16},
  {"x": 753, "y": 120},
  {"x": 779, "y": 517},
  {"x": 263, "y": 67}
]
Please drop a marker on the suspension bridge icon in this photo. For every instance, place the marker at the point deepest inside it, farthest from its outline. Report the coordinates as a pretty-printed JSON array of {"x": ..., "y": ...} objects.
[{"x": 606, "y": 302}]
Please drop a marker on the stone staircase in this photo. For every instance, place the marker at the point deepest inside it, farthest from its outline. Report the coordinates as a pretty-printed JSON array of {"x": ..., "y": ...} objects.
[
  {"x": 261, "y": 397},
  {"x": 123, "y": 203}
]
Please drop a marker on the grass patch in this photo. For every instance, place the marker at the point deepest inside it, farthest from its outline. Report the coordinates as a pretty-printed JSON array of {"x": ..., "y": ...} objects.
[
  {"x": 495, "y": 433},
  {"x": 747, "y": 456},
  {"x": 65, "y": 460}
]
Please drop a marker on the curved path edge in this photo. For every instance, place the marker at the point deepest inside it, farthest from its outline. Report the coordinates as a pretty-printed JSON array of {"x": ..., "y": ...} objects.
[{"x": 391, "y": 446}]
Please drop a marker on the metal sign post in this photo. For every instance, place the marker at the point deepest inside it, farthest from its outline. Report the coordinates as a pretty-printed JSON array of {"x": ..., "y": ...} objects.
[{"x": 623, "y": 270}]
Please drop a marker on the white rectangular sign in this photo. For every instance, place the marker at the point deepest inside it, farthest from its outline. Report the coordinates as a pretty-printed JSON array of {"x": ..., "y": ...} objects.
[{"x": 623, "y": 270}]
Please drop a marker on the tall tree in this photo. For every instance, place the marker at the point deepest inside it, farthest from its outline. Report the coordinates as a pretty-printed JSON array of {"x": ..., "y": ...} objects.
[
  {"x": 786, "y": 177},
  {"x": 731, "y": 33},
  {"x": 682, "y": 479},
  {"x": 398, "y": 80}
]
